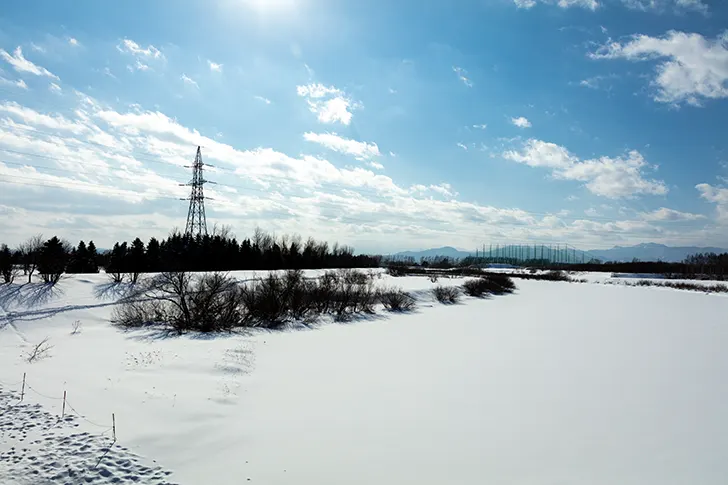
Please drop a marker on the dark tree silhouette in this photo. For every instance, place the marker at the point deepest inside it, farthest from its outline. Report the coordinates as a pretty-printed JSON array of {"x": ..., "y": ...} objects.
[
  {"x": 29, "y": 254},
  {"x": 7, "y": 264},
  {"x": 53, "y": 260}
]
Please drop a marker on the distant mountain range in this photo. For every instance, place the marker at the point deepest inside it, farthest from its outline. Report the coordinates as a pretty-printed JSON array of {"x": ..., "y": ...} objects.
[
  {"x": 447, "y": 251},
  {"x": 651, "y": 252},
  {"x": 643, "y": 252}
]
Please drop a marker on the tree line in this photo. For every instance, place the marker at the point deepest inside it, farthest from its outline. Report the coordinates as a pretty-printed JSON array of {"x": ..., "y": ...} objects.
[{"x": 219, "y": 252}]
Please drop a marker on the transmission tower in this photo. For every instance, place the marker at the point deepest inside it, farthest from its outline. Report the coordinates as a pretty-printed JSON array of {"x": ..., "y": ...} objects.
[{"x": 196, "y": 220}]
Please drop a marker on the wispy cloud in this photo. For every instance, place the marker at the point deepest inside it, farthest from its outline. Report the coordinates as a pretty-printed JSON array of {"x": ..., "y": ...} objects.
[
  {"x": 663, "y": 5},
  {"x": 129, "y": 46},
  {"x": 359, "y": 149},
  {"x": 189, "y": 81},
  {"x": 73, "y": 41},
  {"x": 587, "y": 4},
  {"x": 18, "y": 84},
  {"x": 463, "y": 76},
  {"x": 21, "y": 64},
  {"x": 463, "y": 146},
  {"x": 263, "y": 99},
  {"x": 663, "y": 214},
  {"x": 214, "y": 66},
  {"x": 53, "y": 87},
  {"x": 521, "y": 122},
  {"x": 480, "y": 127}
]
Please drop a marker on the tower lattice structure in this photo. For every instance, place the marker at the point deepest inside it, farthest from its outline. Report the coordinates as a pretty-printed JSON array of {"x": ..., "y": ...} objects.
[{"x": 196, "y": 220}]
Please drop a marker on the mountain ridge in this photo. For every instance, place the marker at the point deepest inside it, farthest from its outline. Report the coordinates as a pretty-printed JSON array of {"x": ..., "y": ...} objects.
[{"x": 642, "y": 252}]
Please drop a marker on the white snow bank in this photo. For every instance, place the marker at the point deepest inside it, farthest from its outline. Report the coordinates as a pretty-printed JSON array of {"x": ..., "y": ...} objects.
[{"x": 557, "y": 383}]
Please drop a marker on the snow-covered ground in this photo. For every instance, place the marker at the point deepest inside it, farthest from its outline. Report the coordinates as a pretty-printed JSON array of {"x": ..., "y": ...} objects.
[{"x": 558, "y": 383}]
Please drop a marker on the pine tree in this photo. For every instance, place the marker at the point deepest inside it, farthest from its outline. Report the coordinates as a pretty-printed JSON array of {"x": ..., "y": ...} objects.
[
  {"x": 154, "y": 256},
  {"x": 6, "y": 264},
  {"x": 53, "y": 260},
  {"x": 136, "y": 260},
  {"x": 93, "y": 258}
]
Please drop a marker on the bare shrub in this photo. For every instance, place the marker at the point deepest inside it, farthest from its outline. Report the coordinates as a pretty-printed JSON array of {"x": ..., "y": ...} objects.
[
  {"x": 265, "y": 302},
  {"x": 446, "y": 294},
  {"x": 39, "y": 352},
  {"x": 433, "y": 278},
  {"x": 212, "y": 302},
  {"x": 353, "y": 293},
  {"x": 492, "y": 284},
  {"x": 397, "y": 300},
  {"x": 76, "y": 327},
  {"x": 396, "y": 270}
]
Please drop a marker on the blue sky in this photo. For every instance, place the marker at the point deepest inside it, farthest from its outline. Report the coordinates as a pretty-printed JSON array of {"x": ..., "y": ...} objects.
[{"x": 383, "y": 125}]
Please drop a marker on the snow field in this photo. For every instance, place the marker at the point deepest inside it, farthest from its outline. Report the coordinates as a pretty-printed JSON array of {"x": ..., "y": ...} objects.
[{"x": 558, "y": 383}]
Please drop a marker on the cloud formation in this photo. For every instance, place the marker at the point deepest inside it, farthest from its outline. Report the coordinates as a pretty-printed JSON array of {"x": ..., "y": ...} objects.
[
  {"x": 521, "y": 122},
  {"x": 587, "y": 4},
  {"x": 690, "y": 68},
  {"x": 463, "y": 76},
  {"x": 330, "y": 104},
  {"x": 607, "y": 177},
  {"x": 23, "y": 65},
  {"x": 358, "y": 149}
]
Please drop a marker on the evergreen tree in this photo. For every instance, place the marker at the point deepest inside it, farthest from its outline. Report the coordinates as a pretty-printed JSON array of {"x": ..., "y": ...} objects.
[
  {"x": 93, "y": 258},
  {"x": 136, "y": 259},
  {"x": 154, "y": 256},
  {"x": 53, "y": 260},
  {"x": 6, "y": 264}
]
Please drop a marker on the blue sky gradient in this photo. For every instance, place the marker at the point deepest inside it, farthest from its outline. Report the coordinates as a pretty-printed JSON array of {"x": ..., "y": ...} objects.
[{"x": 384, "y": 125}]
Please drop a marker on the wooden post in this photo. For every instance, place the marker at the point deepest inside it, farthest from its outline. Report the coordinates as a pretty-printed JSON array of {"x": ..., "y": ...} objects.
[
  {"x": 63, "y": 412},
  {"x": 22, "y": 389},
  {"x": 113, "y": 425}
]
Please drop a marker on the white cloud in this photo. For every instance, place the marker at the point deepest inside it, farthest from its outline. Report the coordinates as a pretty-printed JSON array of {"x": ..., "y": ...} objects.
[
  {"x": 718, "y": 196},
  {"x": 462, "y": 75},
  {"x": 18, "y": 84},
  {"x": 662, "y": 5},
  {"x": 263, "y": 99},
  {"x": 690, "y": 67},
  {"x": 21, "y": 64},
  {"x": 129, "y": 46},
  {"x": 587, "y": 4},
  {"x": 480, "y": 127},
  {"x": 214, "y": 66},
  {"x": 317, "y": 91},
  {"x": 463, "y": 146},
  {"x": 358, "y": 149},
  {"x": 94, "y": 146},
  {"x": 663, "y": 214},
  {"x": 607, "y": 177},
  {"x": 330, "y": 104},
  {"x": 521, "y": 122},
  {"x": 74, "y": 42},
  {"x": 55, "y": 88},
  {"x": 189, "y": 81}
]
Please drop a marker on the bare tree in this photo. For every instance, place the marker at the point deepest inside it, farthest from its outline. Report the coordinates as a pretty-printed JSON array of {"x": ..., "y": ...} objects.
[
  {"x": 39, "y": 351},
  {"x": 223, "y": 230},
  {"x": 30, "y": 254}
]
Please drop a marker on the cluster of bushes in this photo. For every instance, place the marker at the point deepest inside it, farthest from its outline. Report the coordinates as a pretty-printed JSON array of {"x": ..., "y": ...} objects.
[
  {"x": 681, "y": 286},
  {"x": 495, "y": 284},
  {"x": 398, "y": 270},
  {"x": 215, "y": 301},
  {"x": 446, "y": 295}
]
